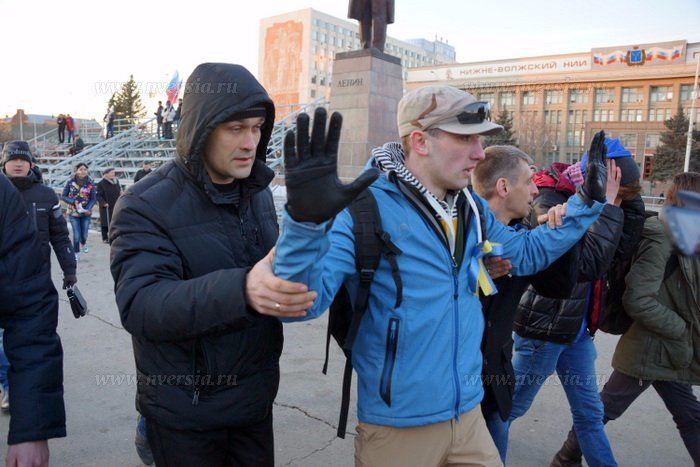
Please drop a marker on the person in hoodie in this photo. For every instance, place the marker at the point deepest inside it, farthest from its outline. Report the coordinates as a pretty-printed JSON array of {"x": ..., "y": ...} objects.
[
  {"x": 418, "y": 362},
  {"x": 108, "y": 192},
  {"x": 184, "y": 246},
  {"x": 80, "y": 195},
  {"x": 553, "y": 334},
  {"x": 41, "y": 203}
]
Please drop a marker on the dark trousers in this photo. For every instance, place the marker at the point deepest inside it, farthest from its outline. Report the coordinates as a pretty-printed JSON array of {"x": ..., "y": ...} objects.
[
  {"x": 621, "y": 390},
  {"x": 245, "y": 446},
  {"x": 168, "y": 130},
  {"x": 61, "y": 134}
]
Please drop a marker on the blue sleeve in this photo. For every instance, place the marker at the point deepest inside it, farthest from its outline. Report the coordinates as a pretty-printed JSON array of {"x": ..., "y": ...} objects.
[
  {"x": 92, "y": 199},
  {"x": 531, "y": 251},
  {"x": 65, "y": 196},
  {"x": 319, "y": 255}
]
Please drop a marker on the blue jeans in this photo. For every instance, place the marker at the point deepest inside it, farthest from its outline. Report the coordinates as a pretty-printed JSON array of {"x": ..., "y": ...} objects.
[
  {"x": 534, "y": 361},
  {"x": 4, "y": 365},
  {"x": 80, "y": 227},
  {"x": 497, "y": 428}
]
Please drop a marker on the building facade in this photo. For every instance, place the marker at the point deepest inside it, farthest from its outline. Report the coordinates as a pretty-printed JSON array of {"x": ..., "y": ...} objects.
[
  {"x": 296, "y": 52},
  {"x": 559, "y": 101}
]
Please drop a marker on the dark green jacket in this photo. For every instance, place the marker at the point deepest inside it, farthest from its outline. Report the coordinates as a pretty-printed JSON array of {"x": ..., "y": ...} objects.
[{"x": 664, "y": 341}]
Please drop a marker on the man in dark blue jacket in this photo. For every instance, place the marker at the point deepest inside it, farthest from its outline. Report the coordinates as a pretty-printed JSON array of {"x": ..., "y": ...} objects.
[
  {"x": 29, "y": 314},
  {"x": 185, "y": 243}
]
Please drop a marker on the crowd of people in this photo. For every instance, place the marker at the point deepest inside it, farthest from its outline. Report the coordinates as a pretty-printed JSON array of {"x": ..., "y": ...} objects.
[{"x": 458, "y": 281}]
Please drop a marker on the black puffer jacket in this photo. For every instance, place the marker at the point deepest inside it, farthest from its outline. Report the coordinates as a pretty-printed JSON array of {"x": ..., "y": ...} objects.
[
  {"x": 559, "y": 320},
  {"x": 46, "y": 214},
  {"x": 180, "y": 254},
  {"x": 29, "y": 315}
]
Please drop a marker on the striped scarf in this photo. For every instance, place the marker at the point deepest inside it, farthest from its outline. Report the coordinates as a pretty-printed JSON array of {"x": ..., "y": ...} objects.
[{"x": 390, "y": 158}]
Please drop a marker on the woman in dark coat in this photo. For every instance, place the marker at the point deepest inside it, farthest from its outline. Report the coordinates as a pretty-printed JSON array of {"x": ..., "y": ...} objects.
[{"x": 108, "y": 192}]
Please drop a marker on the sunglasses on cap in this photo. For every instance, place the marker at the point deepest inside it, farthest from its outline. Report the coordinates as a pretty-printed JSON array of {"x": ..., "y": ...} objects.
[{"x": 476, "y": 112}]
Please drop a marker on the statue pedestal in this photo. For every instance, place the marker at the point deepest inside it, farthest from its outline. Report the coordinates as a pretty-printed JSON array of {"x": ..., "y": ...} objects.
[{"x": 366, "y": 89}]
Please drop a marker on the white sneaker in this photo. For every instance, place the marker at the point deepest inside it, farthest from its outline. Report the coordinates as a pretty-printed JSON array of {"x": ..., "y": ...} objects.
[
  {"x": 86, "y": 249},
  {"x": 77, "y": 256}
]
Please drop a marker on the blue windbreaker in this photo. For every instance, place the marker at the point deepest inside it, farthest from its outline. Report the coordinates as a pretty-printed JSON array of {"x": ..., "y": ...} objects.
[{"x": 420, "y": 363}]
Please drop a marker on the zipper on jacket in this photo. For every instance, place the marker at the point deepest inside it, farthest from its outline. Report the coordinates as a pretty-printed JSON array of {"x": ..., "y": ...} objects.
[
  {"x": 34, "y": 221},
  {"x": 455, "y": 272},
  {"x": 198, "y": 373},
  {"x": 392, "y": 342}
]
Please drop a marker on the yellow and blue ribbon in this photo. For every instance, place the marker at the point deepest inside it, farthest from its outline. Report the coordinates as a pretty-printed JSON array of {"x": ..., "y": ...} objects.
[{"x": 478, "y": 275}]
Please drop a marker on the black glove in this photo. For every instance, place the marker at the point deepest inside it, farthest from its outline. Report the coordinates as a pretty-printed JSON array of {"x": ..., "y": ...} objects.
[
  {"x": 593, "y": 188},
  {"x": 69, "y": 280},
  {"x": 314, "y": 193}
]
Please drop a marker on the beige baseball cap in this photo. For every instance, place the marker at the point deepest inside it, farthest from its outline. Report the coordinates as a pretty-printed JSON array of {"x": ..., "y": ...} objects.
[{"x": 444, "y": 107}]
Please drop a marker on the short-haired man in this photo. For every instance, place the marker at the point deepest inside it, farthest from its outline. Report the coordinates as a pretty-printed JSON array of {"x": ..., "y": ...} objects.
[
  {"x": 143, "y": 171},
  {"x": 184, "y": 240},
  {"x": 505, "y": 180},
  {"x": 418, "y": 363}
]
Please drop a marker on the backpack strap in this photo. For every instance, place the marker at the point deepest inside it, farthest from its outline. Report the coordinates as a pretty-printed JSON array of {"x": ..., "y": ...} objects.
[{"x": 371, "y": 243}]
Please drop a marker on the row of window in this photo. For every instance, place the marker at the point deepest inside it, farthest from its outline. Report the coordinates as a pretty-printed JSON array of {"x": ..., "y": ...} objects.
[
  {"x": 580, "y": 96},
  {"x": 342, "y": 42}
]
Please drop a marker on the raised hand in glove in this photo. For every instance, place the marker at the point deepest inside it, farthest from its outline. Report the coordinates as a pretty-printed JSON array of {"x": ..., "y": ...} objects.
[
  {"x": 69, "y": 280},
  {"x": 314, "y": 193},
  {"x": 594, "y": 187}
]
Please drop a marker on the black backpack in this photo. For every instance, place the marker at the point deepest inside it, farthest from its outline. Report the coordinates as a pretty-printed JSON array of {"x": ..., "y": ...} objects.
[
  {"x": 613, "y": 317},
  {"x": 371, "y": 245}
]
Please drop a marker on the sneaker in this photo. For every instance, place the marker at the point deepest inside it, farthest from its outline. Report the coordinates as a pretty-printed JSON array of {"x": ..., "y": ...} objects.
[
  {"x": 5, "y": 404},
  {"x": 77, "y": 257},
  {"x": 143, "y": 449},
  {"x": 86, "y": 249}
]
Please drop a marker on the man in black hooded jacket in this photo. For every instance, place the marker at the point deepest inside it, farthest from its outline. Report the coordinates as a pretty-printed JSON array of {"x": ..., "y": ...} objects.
[{"x": 184, "y": 241}]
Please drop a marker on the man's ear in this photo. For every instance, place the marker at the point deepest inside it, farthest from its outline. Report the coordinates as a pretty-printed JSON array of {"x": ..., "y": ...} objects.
[
  {"x": 419, "y": 143},
  {"x": 502, "y": 187}
]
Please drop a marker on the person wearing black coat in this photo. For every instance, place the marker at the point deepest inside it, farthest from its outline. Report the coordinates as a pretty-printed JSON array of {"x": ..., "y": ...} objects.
[
  {"x": 504, "y": 180},
  {"x": 108, "y": 192},
  {"x": 143, "y": 171},
  {"x": 29, "y": 315},
  {"x": 183, "y": 241},
  {"x": 42, "y": 204}
]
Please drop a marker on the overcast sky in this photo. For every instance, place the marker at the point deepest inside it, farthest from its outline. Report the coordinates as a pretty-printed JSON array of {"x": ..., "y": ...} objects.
[{"x": 68, "y": 56}]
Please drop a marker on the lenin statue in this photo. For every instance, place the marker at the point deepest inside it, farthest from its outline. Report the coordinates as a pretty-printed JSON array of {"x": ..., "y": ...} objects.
[{"x": 373, "y": 16}]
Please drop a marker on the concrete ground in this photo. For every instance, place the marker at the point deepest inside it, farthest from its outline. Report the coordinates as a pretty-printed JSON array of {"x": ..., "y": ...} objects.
[{"x": 101, "y": 417}]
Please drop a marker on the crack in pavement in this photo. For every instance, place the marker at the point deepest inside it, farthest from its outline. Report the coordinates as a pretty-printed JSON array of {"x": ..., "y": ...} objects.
[
  {"x": 307, "y": 414},
  {"x": 294, "y": 407},
  {"x": 315, "y": 451}
]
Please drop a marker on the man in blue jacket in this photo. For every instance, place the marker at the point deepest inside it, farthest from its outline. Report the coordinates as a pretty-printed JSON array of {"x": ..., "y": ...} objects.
[{"x": 418, "y": 364}]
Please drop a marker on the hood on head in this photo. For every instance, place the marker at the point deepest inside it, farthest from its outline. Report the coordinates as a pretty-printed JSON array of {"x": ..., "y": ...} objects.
[{"x": 213, "y": 93}]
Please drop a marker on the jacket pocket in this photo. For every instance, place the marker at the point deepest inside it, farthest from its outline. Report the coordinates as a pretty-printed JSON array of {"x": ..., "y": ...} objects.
[
  {"x": 676, "y": 353},
  {"x": 392, "y": 342}
]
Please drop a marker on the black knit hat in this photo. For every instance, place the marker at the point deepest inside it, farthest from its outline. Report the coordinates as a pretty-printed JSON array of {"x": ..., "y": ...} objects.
[{"x": 16, "y": 150}]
